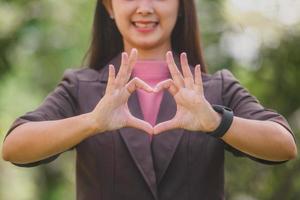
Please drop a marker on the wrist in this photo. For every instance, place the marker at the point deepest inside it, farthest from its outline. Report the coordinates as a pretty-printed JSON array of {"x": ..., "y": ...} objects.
[
  {"x": 214, "y": 123},
  {"x": 93, "y": 125}
]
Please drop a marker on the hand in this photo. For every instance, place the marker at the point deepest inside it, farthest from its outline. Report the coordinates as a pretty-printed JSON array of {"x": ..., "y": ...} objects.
[
  {"x": 112, "y": 111},
  {"x": 193, "y": 111}
]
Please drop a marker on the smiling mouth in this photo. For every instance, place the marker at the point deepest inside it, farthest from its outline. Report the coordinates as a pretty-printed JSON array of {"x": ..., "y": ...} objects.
[{"x": 145, "y": 25}]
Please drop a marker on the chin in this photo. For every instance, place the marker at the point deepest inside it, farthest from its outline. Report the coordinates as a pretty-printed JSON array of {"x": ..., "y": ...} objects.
[{"x": 147, "y": 45}]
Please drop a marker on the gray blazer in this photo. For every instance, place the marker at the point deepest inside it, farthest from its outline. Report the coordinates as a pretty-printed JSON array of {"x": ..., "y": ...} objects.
[{"x": 125, "y": 165}]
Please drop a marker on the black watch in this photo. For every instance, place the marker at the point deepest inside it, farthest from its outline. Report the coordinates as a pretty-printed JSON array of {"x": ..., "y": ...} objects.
[{"x": 226, "y": 121}]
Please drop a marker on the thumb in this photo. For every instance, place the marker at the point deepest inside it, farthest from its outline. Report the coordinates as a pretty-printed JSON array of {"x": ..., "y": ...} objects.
[
  {"x": 166, "y": 84},
  {"x": 140, "y": 124},
  {"x": 165, "y": 126}
]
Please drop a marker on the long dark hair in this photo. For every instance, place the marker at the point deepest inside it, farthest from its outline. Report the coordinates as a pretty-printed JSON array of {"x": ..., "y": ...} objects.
[{"x": 107, "y": 41}]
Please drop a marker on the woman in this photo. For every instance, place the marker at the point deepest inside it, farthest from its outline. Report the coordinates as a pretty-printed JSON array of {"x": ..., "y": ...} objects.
[{"x": 133, "y": 139}]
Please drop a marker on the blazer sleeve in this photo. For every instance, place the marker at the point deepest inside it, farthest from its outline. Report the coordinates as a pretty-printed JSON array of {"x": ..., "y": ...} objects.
[
  {"x": 245, "y": 105},
  {"x": 59, "y": 104}
]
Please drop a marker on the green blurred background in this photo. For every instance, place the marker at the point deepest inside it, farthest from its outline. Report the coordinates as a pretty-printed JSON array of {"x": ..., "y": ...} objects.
[{"x": 258, "y": 40}]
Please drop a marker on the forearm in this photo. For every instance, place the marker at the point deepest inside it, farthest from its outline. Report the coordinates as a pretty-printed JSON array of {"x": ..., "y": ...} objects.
[
  {"x": 34, "y": 141},
  {"x": 262, "y": 139}
]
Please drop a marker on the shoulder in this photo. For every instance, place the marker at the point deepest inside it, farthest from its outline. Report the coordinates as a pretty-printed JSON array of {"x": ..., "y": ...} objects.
[
  {"x": 220, "y": 75},
  {"x": 219, "y": 80},
  {"x": 74, "y": 80},
  {"x": 223, "y": 79},
  {"x": 221, "y": 86},
  {"x": 82, "y": 74}
]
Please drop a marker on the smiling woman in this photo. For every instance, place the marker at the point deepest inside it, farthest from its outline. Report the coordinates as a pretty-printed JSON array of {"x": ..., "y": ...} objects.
[
  {"x": 109, "y": 32},
  {"x": 145, "y": 118}
]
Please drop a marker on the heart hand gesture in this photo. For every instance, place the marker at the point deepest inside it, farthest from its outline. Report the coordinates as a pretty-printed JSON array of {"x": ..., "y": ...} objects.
[{"x": 193, "y": 110}]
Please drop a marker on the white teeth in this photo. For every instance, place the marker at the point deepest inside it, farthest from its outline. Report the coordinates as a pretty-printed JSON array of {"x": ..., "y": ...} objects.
[{"x": 145, "y": 25}]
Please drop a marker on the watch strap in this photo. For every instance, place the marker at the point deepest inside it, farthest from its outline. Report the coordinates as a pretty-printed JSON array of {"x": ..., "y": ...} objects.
[{"x": 226, "y": 121}]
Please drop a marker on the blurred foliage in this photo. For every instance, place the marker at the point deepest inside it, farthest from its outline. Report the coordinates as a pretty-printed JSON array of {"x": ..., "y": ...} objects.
[{"x": 40, "y": 39}]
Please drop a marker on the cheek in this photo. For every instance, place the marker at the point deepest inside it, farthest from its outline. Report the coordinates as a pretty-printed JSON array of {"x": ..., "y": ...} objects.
[
  {"x": 169, "y": 14},
  {"x": 122, "y": 21},
  {"x": 169, "y": 22},
  {"x": 122, "y": 13}
]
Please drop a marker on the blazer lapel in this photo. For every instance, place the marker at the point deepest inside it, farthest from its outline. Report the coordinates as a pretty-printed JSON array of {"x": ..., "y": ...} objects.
[
  {"x": 164, "y": 144},
  {"x": 137, "y": 141}
]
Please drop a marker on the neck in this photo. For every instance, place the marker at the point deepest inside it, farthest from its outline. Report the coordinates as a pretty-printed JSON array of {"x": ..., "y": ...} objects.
[{"x": 155, "y": 53}]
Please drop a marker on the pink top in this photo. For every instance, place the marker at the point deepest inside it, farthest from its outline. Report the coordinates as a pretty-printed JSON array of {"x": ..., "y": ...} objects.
[{"x": 152, "y": 72}]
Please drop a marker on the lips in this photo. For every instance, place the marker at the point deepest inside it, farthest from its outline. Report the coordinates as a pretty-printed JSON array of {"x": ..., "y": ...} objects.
[{"x": 145, "y": 24}]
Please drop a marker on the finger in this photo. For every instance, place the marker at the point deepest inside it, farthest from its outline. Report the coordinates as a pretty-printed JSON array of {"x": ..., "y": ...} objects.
[
  {"x": 111, "y": 76},
  {"x": 131, "y": 62},
  {"x": 167, "y": 84},
  {"x": 140, "y": 124},
  {"x": 137, "y": 83},
  {"x": 123, "y": 69},
  {"x": 198, "y": 79},
  {"x": 188, "y": 76},
  {"x": 165, "y": 126},
  {"x": 133, "y": 57},
  {"x": 175, "y": 73}
]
